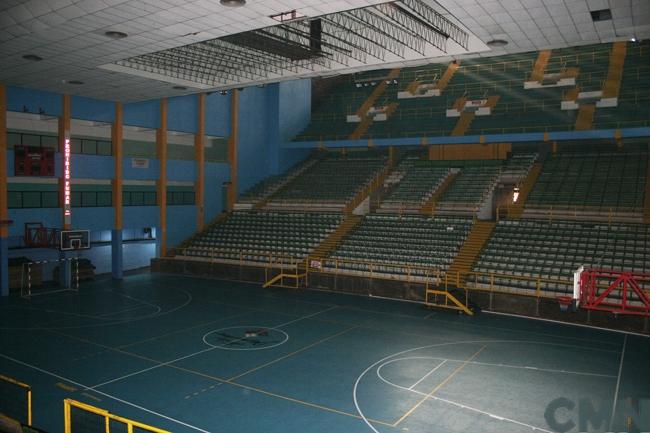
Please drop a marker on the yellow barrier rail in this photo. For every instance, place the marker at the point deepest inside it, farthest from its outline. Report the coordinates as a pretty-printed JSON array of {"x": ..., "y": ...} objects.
[
  {"x": 22, "y": 414},
  {"x": 432, "y": 277},
  {"x": 107, "y": 420}
]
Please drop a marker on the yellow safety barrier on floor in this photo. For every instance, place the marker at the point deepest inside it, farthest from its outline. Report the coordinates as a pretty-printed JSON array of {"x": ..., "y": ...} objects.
[
  {"x": 83, "y": 418},
  {"x": 16, "y": 400}
]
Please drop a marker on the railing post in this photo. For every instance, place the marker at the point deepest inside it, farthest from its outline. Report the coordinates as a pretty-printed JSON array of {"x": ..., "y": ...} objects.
[{"x": 539, "y": 286}]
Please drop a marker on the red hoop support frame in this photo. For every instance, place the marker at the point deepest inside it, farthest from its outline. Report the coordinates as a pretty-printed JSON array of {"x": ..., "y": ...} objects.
[{"x": 617, "y": 292}]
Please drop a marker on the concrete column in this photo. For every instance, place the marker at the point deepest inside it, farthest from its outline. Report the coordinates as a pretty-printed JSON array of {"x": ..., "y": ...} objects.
[
  {"x": 117, "y": 260},
  {"x": 117, "y": 264}
]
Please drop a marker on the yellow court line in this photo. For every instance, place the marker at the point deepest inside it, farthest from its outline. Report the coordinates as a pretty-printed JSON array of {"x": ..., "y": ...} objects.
[
  {"x": 437, "y": 388},
  {"x": 288, "y": 355},
  {"x": 223, "y": 380}
]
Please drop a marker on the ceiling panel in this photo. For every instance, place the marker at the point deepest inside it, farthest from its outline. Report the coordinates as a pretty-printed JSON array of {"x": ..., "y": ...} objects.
[{"x": 69, "y": 34}]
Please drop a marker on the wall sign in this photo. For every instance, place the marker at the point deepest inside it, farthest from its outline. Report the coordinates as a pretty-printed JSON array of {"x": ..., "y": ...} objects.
[
  {"x": 139, "y": 163},
  {"x": 67, "y": 209}
]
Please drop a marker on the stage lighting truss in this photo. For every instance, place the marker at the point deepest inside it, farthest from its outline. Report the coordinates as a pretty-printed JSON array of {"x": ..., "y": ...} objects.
[{"x": 309, "y": 46}]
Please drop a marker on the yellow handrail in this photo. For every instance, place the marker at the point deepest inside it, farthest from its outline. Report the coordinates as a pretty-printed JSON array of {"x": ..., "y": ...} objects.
[
  {"x": 69, "y": 404},
  {"x": 28, "y": 390}
]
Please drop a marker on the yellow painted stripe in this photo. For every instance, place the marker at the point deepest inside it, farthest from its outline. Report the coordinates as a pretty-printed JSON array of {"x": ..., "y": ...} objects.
[
  {"x": 439, "y": 387},
  {"x": 316, "y": 343}
]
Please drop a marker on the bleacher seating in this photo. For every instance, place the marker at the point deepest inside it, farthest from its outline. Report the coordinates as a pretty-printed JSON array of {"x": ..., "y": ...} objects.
[
  {"x": 518, "y": 110},
  {"x": 394, "y": 243},
  {"x": 518, "y": 166},
  {"x": 331, "y": 182},
  {"x": 592, "y": 183},
  {"x": 268, "y": 186},
  {"x": 416, "y": 181},
  {"x": 253, "y": 236},
  {"x": 554, "y": 250},
  {"x": 470, "y": 188}
]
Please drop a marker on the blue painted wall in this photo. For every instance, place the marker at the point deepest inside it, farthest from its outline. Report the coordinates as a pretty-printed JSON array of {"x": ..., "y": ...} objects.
[
  {"x": 178, "y": 170},
  {"x": 268, "y": 117},
  {"x": 252, "y": 152},
  {"x": 145, "y": 114},
  {"x": 182, "y": 113},
  {"x": 92, "y": 109},
  {"x": 217, "y": 114},
  {"x": 181, "y": 223},
  {"x": 92, "y": 167},
  {"x": 33, "y": 100},
  {"x": 294, "y": 110}
]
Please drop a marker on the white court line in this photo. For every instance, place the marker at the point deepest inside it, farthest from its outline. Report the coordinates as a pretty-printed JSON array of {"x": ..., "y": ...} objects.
[
  {"x": 425, "y": 376},
  {"x": 618, "y": 383},
  {"x": 459, "y": 405},
  {"x": 108, "y": 322},
  {"x": 80, "y": 385},
  {"x": 209, "y": 349},
  {"x": 450, "y": 343}
]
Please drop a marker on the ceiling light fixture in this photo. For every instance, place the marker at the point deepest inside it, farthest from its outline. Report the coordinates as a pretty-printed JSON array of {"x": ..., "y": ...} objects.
[
  {"x": 496, "y": 43},
  {"x": 113, "y": 34},
  {"x": 180, "y": 87},
  {"x": 32, "y": 57},
  {"x": 233, "y": 3},
  {"x": 75, "y": 82}
]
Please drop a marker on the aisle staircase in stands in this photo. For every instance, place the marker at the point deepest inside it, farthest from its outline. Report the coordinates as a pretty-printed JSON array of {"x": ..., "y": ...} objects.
[
  {"x": 585, "y": 117},
  {"x": 447, "y": 76},
  {"x": 334, "y": 239},
  {"x": 284, "y": 182},
  {"x": 469, "y": 252},
  {"x": 429, "y": 206},
  {"x": 540, "y": 65},
  {"x": 368, "y": 189},
  {"x": 362, "y": 112},
  {"x": 466, "y": 117},
  {"x": 516, "y": 210},
  {"x": 612, "y": 85}
]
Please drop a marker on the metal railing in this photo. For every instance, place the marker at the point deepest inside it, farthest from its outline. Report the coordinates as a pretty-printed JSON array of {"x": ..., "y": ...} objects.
[
  {"x": 82, "y": 418},
  {"x": 16, "y": 400}
]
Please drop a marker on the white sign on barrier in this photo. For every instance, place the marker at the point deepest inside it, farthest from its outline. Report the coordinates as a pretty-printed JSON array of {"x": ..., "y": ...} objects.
[{"x": 576, "y": 284}]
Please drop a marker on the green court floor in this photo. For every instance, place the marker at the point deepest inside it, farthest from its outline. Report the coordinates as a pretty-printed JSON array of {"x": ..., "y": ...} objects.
[{"x": 196, "y": 355}]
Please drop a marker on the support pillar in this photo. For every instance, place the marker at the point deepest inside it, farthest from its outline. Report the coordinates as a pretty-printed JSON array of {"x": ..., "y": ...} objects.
[
  {"x": 65, "y": 180},
  {"x": 117, "y": 261},
  {"x": 65, "y": 187},
  {"x": 199, "y": 147},
  {"x": 161, "y": 193},
  {"x": 4, "y": 212},
  {"x": 232, "y": 147}
]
